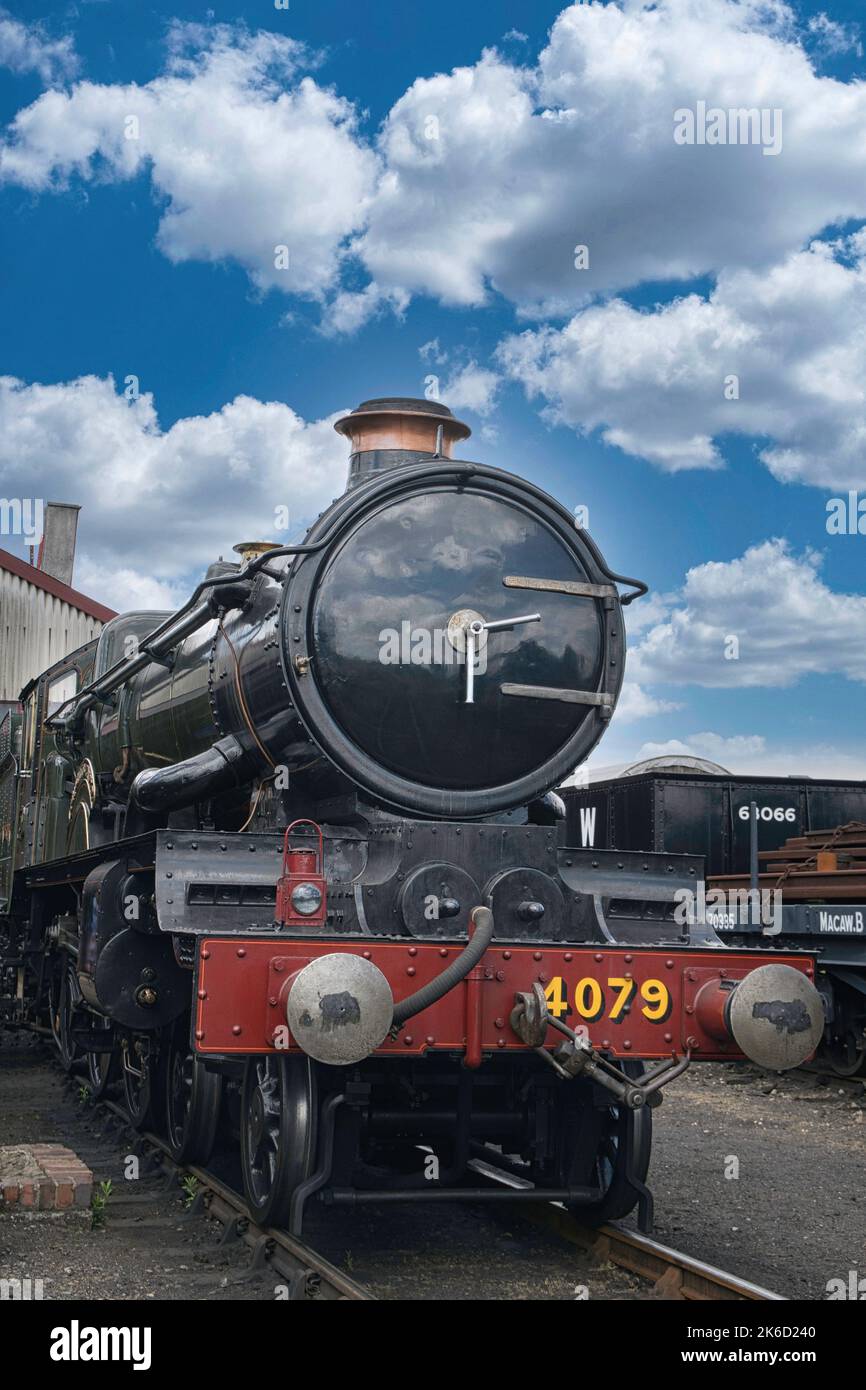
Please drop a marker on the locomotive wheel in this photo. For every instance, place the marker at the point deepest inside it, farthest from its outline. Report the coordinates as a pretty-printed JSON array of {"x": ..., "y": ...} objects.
[
  {"x": 141, "y": 1086},
  {"x": 193, "y": 1097},
  {"x": 64, "y": 997},
  {"x": 620, "y": 1196},
  {"x": 592, "y": 1151},
  {"x": 279, "y": 1109},
  {"x": 100, "y": 1065},
  {"x": 845, "y": 1056}
]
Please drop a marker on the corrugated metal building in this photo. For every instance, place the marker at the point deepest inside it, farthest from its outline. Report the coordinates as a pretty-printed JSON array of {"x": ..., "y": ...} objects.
[{"x": 42, "y": 618}]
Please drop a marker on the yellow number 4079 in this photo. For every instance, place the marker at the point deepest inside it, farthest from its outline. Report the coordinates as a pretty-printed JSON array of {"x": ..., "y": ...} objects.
[{"x": 615, "y": 1002}]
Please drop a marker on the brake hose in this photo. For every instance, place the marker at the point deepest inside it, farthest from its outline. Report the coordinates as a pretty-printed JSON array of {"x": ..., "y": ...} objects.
[{"x": 452, "y": 975}]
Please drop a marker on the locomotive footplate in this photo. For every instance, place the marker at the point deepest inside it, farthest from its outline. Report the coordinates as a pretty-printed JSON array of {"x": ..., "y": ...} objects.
[{"x": 629, "y": 1003}]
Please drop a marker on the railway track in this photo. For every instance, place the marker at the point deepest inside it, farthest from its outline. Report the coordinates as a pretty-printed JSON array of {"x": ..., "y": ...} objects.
[
  {"x": 306, "y": 1274},
  {"x": 612, "y": 1261},
  {"x": 672, "y": 1274}
]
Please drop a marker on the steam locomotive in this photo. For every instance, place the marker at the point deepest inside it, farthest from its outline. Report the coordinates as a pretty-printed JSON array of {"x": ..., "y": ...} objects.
[{"x": 286, "y": 862}]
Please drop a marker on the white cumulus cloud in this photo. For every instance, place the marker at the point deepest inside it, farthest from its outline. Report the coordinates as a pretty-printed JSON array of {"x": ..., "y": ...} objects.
[
  {"x": 159, "y": 505},
  {"x": 472, "y": 388},
  {"x": 780, "y": 355},
  {"x": 485, "y": 177},
  {"x": 637, "y": 703},
  {"x": 495, "y": 172},
  {"x": 30, "y": 48},
  {"x": 250, "y": 161},
  {"x": 763, "y": 619}
]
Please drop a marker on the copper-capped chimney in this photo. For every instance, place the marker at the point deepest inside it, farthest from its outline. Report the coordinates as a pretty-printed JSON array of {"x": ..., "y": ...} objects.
[{"x": 396, "y": 430}]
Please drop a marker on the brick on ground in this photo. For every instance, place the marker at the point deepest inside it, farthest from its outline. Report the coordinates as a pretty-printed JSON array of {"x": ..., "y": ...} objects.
[{"x": 43, "y": 1177}]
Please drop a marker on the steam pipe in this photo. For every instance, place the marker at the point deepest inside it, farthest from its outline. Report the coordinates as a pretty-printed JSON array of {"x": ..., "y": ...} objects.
[{"x": 219, "y": 768}]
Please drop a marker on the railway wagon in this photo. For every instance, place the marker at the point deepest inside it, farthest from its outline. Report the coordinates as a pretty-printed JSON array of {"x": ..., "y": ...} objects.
[
  {"x": 797, "y": 819},
  {"x": 706, "y": 814},
  {"x": 287, "y": 861}
]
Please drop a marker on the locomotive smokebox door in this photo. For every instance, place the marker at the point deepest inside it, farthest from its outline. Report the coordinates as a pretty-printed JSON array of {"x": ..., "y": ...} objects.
[{"x": 301, "y": 891}]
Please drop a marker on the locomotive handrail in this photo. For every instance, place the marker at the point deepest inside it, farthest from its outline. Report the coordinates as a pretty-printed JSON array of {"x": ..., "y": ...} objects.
[
  {"x": 121, "y": 670},
  {"x": 638, "y": 585}
]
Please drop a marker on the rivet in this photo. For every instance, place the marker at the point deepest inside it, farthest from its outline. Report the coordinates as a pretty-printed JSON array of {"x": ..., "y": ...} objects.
[
  {"x": 202, "y": 994},
  {"x": 242, "y": 950},
  {"x": 506, "y": 955},
  {"x": 368, "y": 955},
  {"x": 236, "y": 1029},
  {"x": 205, "y": 955},
  {"x": 408, "y": 1040},
  {"x": 536, "y": 955},
  {"x": 500, "y": 1042},
  {"x": 413, "y": 950},
  {"x": 669, "y": 1037},
  {"x": 628, "y": 959},
  {"x": 690, "y": 1008},
  {"x": 568, "y": 956},
  {"x": 443, "y": 950},
  {"x": 598, "y": 957},
  {"x": 669, "y": 965},
  {"x": 199, "y": 1035},
  {"x": 430, "y": 1041},
  {"x": 410, "y": 970},
  {"x": 499, "y": 1023},
  {"x": 272, "y": 1003},
  {"x": 626, "y": 1046}
]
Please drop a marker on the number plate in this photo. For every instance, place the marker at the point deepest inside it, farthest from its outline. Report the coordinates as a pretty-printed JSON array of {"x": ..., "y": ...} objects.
[{"x": 594, "y": 999}]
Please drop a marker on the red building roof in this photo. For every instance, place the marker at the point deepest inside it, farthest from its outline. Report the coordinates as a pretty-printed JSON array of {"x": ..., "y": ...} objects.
[{"x": 32, "y": 575}]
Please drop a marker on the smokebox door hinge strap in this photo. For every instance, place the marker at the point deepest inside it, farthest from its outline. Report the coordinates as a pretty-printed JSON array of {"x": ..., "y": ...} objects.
[
  {"x": 552, "y": 692},
  {"x": 561, "y": 586}
]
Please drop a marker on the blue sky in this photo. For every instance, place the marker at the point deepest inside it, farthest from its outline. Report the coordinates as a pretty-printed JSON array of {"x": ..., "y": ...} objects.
[{"x": 410, "y": 256}]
